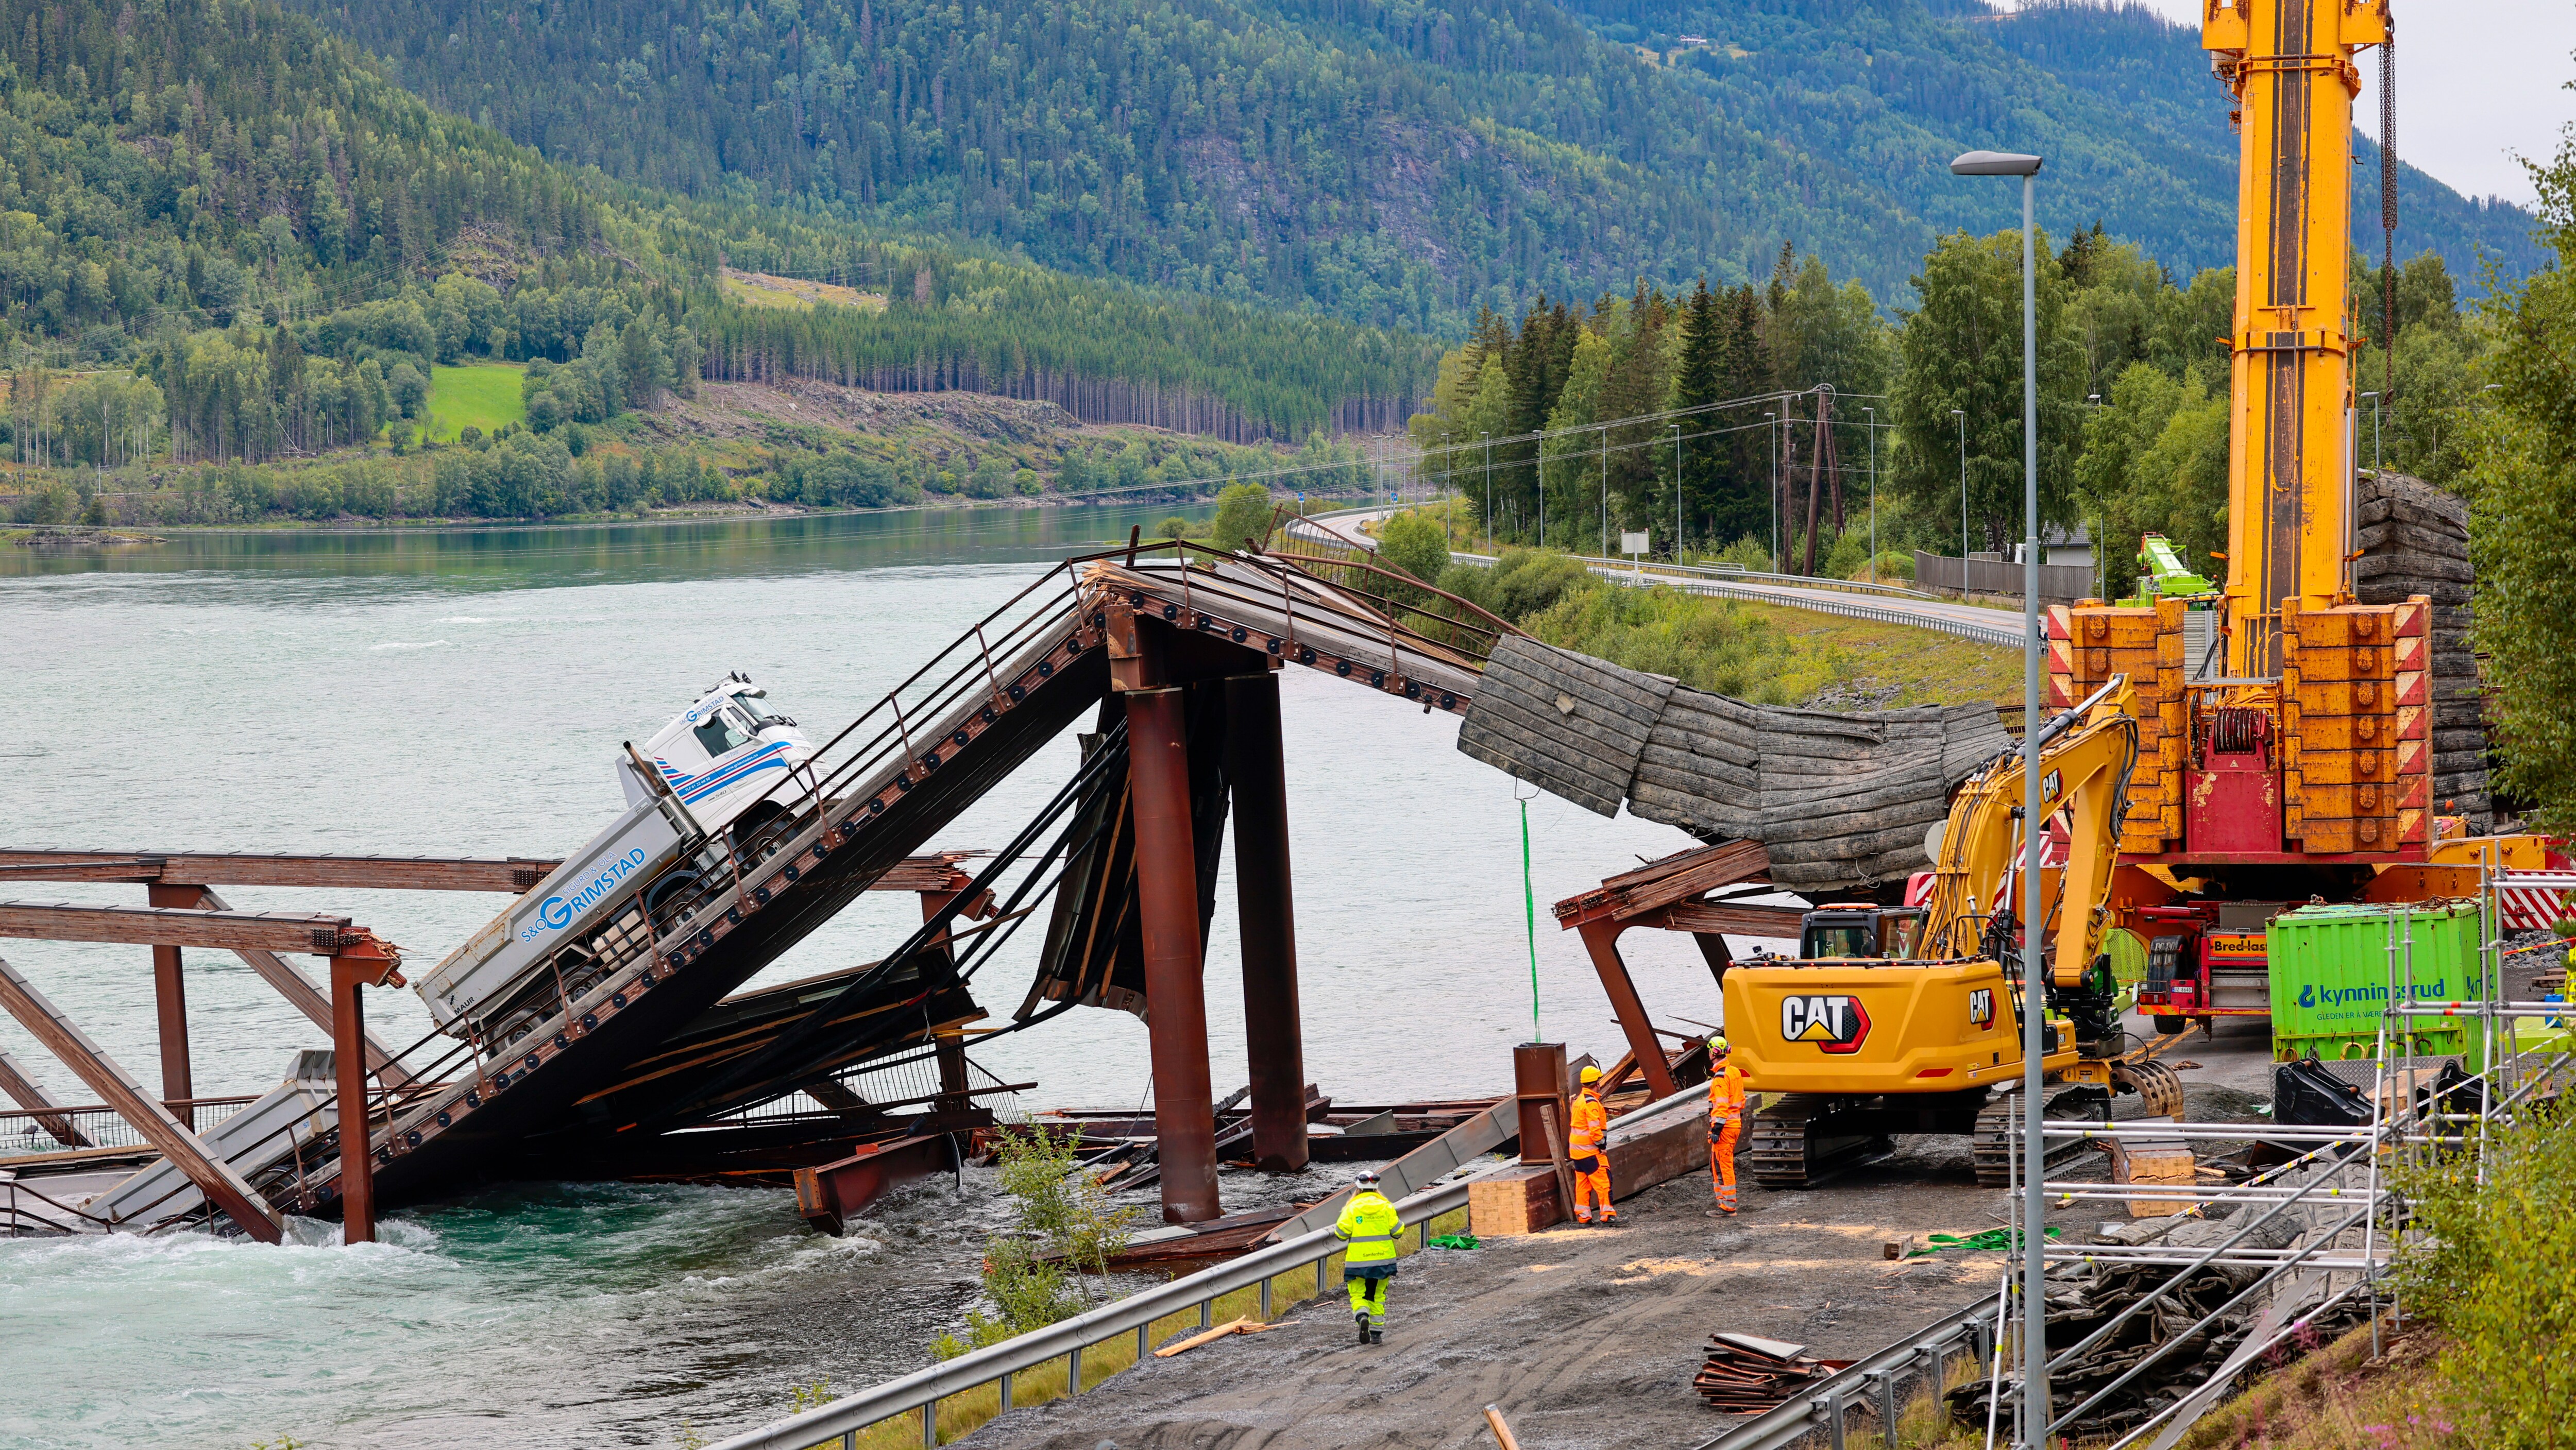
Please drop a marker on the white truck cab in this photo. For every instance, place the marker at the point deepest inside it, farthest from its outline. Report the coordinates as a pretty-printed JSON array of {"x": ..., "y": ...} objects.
[
  {"x": 727, "y": 765},
  {"x": 724, "y": 754}
]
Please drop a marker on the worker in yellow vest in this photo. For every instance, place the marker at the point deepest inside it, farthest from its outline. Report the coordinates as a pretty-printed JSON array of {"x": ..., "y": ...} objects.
[
  {"x": 1587, "y": 1151},
  {"x": 1369, "y": 1225},
  {"x": 1725, "y": 1122}
]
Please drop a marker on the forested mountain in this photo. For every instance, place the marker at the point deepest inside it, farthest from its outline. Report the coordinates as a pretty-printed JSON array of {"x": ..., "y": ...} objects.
[
  {"x": 1391, "y": 163},
  {"x": 222, "y": 193}
]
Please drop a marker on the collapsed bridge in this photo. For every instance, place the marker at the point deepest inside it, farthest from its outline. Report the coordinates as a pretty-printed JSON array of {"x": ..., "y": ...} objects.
[{"x": 646, "y": 1057}]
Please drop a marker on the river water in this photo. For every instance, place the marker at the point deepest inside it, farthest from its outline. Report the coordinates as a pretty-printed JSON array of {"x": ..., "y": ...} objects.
[{"x": 464, "y": 693}]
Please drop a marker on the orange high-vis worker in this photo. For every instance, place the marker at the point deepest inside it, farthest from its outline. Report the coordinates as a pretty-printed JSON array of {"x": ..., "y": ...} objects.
[
  {"x": 1587, "y": 1151},
  {"x": 1725, "y": 1122}
]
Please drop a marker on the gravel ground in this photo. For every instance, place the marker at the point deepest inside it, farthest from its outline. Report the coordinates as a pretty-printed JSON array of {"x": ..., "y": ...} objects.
[{"x": 1589, "y": 1338}]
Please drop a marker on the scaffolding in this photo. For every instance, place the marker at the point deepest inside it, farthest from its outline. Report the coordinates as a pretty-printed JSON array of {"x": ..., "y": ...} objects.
[{"x": 2320, "y": 1232}]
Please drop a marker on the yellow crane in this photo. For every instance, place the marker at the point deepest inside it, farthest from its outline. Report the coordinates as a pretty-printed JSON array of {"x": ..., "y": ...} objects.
[
  {"x": 1907, "y": 1020},
  {"x": 2292, "y": 756}
]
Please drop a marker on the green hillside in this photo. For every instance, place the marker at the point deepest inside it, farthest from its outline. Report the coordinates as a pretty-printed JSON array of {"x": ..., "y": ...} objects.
[
  {"x": 1395, "y": 164},
  {"x": 243, "y": 205}
]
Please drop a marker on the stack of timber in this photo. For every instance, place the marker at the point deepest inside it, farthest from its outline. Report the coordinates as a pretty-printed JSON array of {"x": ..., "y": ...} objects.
[
  {"x": 1642, "y": 1155},
  {"x": 1841, "y": 799},
  {"x": 1746, "y": 1376},
  {"x": 2414, "y": 539}
]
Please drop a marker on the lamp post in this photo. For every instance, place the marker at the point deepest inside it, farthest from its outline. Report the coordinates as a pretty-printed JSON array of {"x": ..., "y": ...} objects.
[
  {"x": 1873, "y": 493},
  {"x": 1489, "y": 488},
  {"x": 2375, "y": 464},
  {"x": 1771, "y": 426},
  {"x": 2036, "y": 1409},
  {"x": 1963, "y": 498}
]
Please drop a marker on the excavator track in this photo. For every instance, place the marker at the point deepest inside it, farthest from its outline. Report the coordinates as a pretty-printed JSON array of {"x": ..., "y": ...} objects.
[
  {"x": 1798, "y": 1140},
  {"x": 1993, "y": 1145}
]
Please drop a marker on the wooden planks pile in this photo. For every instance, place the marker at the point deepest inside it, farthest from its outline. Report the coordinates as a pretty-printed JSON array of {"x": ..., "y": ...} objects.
[
  {"x": 1842, "y": 799},
  {"x": 1525, "y": 1200},
  {"x": 2414, "y": 540},
  {"x": 1744, "y": 1375}
]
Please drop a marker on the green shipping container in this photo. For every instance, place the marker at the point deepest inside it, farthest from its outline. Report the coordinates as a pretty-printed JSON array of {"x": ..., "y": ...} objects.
[{"x": 2330, "y": 971}]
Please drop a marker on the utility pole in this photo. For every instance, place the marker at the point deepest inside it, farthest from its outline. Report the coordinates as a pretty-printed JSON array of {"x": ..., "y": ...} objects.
[
  {"x": 1770, "y": 422},
  {"x": 1677, "y": 494},
  {"x": 1605, "y": 490},
  {"x": 1873, "y": 493},
  {"x": 1489, "y": 475}
]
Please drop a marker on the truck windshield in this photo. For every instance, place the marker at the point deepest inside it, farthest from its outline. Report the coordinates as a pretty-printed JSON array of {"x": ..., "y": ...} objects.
[{"x": 729, "y": 729}]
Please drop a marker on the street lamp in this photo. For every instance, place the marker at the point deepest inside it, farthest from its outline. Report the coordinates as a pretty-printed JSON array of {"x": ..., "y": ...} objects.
[
  {"x": 1963, "y": 498},
  {"x": 2375, "y": 464},
  {"x": 2035, "y": 1405},
  {"x": 1873, "y": 493}
]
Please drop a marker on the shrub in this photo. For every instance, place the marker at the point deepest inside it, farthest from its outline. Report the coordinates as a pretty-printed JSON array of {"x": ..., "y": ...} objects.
[
  {"x": 1242, "y": 512},
  {"x": 1042, "y": 1268},
  {"x": 1416, "y": 544},
  {"x": 2498, "y": 1273}
]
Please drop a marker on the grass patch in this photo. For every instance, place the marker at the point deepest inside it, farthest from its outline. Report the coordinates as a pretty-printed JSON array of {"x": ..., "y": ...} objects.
[
  {"x": 961, "y": 1415},
  {"x": 759, "y": 289},
  {"x": 1920, "y": 666},
  {"x": 479, "y": 395},
  {"x": 2337, "y": 1398}
]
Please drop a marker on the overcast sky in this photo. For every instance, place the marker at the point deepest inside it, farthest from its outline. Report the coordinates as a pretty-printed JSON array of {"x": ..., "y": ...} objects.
[{"x": 2478, "y": 82}]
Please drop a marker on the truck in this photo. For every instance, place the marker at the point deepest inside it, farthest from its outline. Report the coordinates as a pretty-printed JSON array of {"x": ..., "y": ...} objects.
[
  {"x": 697, "y": 793},
  {"x": 2205, "y": 960}
]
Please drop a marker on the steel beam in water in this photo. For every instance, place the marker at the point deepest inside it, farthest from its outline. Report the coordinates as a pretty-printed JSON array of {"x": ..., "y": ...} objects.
[
  {"x": 1274, "y": 1037},
  {"x": 1168, "y": 910}
]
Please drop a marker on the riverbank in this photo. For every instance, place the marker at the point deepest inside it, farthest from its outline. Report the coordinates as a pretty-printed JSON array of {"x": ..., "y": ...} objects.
[{"x": 1187, "y": 500}]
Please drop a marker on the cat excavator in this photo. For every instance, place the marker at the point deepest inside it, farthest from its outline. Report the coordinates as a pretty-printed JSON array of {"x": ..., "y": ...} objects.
[{"x": 1908, "y": 1020}]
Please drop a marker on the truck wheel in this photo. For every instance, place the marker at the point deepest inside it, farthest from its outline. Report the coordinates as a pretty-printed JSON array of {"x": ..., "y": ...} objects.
[{"x": 2172, "y": 1026}]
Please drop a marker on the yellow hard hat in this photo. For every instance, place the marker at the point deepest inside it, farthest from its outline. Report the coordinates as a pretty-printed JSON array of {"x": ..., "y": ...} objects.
[
  {"x": 1717, "y": 1047},
  {"x": 1591, "y": 1073}
]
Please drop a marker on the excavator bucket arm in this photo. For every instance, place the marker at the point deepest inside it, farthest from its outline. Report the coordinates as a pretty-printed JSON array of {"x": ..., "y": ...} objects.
[{"x": 2086, "y": 758}]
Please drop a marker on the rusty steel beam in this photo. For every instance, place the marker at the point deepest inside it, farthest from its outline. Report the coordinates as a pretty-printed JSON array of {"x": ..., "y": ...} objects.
[
  {"x": 303, "y": 996},
  {"x": 1168, "y": 911},
  {"x": 22, "y": 1089},
  {"x": 223, "y": 1187},
  {"x": 512, "y": 874},
  {"x": 364, "y": 962},
  {"x": 170, "y": 1001},
  {"x": 1601, "y": 941},
  {"x": 276, "y": 931},
  {"x": 1256, "y": 771}
]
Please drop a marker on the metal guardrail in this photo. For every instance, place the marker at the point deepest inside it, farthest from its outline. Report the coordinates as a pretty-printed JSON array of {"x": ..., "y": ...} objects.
[
  {"x": 1873, "y": 1381},
  {"x": 1724, "y": 584},
  {"x": 841, "y": 1421}
]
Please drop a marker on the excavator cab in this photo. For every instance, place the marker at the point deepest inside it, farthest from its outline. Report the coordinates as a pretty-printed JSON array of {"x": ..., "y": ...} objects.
[{"x": 1844, "y": 930}]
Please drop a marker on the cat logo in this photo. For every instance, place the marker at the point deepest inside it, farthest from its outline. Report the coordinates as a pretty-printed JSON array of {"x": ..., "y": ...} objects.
[
  {"x": 2049, "y": 785},
  {"x": 1981, "y": 1007},
  {"x": 1835, "y": 1024}
]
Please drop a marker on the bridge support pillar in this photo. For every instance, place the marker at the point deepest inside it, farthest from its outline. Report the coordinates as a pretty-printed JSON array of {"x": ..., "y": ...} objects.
[
  {"x": 170, "y": 999},
  {"x": 1168, "y": 909},
  {"x": 1274, "y": 1039}
]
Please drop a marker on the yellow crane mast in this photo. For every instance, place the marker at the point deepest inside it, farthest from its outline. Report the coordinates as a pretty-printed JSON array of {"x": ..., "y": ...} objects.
[{"x": 2285, "y": 727}]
